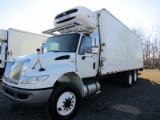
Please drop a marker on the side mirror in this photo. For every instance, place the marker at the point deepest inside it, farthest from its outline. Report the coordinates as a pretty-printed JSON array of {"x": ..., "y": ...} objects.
[
  {"x": 95, "y": 43},
  {"x": 9, "y": 54},
  {"x": 95, "y": 50},
  {"x": 39, "y": 50}
]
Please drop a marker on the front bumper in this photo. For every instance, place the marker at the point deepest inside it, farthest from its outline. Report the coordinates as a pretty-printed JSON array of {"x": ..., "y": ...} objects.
[{"x": 26, "y": 96}]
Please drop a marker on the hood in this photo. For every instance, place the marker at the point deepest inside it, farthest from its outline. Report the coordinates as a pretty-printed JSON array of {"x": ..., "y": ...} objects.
[{"x": 48, "y": 57}]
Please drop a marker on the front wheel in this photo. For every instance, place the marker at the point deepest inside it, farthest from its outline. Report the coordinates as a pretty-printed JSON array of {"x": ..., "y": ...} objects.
[{"x": 64, "y": 102}]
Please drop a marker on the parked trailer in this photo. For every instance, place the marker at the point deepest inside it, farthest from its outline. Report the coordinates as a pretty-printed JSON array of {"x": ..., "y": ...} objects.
[
  {"x": 90, "y": 45},
  {"x": 18, "y": 43}
]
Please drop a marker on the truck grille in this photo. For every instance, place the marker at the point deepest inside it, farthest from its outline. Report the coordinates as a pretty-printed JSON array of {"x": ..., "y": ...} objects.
[
  {"x": 66, "y": 13},
  {"x": 13, "y": 71},
  {"x": 16, "y": 70}
]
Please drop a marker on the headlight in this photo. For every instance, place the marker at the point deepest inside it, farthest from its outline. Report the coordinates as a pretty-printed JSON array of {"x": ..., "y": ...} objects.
[{"x": 34, "y": 79}]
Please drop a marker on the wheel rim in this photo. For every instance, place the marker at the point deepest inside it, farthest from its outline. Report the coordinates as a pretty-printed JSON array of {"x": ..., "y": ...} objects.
[
  {"x": 130, "y": 79},
  {"x": 66, "y": 103}
]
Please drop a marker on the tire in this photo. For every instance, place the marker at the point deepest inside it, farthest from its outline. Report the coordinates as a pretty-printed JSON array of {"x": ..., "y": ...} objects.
[
  {"x": 64, "y": 102},
  {"x": 134, "y": 76},
  {"x": 127, "y": 81}
]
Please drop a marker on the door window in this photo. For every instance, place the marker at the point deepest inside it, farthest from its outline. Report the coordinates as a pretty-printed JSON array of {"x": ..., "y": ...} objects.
[{"x": 86, "y": 46}]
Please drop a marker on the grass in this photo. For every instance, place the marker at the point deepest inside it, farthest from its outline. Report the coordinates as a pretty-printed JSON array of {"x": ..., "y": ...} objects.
[{"x": 151, "y": 75}]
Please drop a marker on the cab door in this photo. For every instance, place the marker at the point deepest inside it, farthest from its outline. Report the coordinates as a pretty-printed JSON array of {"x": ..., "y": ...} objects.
[
  {"x": 86, "y": 61},
  {"x": 2, "y": 55}
]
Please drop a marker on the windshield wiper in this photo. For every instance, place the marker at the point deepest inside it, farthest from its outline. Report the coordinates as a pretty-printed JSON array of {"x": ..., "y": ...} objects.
[{"x": 53, "y": 51}]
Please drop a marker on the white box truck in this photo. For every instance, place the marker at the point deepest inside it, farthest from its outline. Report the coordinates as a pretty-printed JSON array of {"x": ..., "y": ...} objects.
[
  {"x": 68, "y": 66},
  {"x": 18, "y": 43}
]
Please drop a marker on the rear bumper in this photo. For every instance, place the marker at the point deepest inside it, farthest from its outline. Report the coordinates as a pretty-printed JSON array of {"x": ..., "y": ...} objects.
[{"x": 32, "y": 97}]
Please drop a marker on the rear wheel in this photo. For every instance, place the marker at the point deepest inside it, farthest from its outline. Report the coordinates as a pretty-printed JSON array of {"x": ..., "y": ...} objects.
[
  {"x": 134, "y": 76},
  {"x": 127, "y": 81},
  {"x": 64, "y": 102}
]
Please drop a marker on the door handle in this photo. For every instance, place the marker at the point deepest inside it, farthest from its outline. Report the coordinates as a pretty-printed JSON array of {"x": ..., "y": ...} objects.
[
  {"x": 94, "y": 65},
  {"x": 83, "y": 57}
]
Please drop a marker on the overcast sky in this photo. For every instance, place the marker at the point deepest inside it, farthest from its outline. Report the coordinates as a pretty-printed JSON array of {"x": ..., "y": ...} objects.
[{"x": 38, "y": 15}]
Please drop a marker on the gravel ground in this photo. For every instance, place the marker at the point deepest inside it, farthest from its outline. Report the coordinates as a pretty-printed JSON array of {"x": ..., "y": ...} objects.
[{"x": 140, "y": 102}]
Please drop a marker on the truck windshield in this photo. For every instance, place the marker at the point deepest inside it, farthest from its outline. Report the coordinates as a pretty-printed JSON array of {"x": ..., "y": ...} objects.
[{"x": 62, "y": 43}]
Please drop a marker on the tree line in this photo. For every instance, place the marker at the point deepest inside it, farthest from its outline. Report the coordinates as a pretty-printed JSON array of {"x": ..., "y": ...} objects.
[{"x": 151, "y": 46}]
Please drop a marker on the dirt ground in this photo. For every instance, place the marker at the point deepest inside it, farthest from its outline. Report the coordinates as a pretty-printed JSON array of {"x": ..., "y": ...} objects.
[{"x": 139, "y": 102}]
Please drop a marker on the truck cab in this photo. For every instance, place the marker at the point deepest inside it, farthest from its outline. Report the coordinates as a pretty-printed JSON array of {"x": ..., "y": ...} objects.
[
  {"x": 54, "y": 76},
  {"x": 77, "y": 46}
]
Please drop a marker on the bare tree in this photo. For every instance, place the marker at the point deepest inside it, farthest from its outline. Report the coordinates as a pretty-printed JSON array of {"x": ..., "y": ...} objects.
[
  {"x": 157, "y": 29},
  {"x": 159, "y": 54},
  {"x": 151, "y": 46},
  {"x": 154, "y": 53},
  {"x": 147, "y": 53}
]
